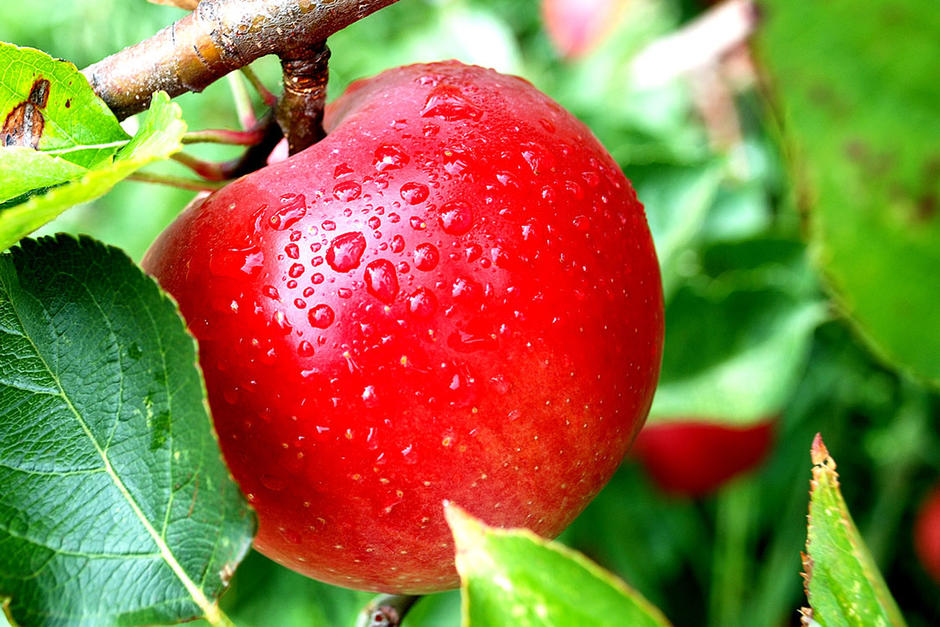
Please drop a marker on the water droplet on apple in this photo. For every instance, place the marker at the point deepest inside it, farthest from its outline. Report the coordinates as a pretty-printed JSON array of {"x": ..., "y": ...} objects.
[
  {"x": 236, "y": 262},
  {"x": 275, "y": 484},
  {"x": 473, "y": 252},
  {"x": 316, "y": 279},
  {"x": 321, "y": 316},
  {"x": 292, "y": 251},
  {"x": 374, "y": 222},
  {"x": 347, "y": 191},
  {"x": 295, "y": 208},
  {"x": 456, "y": 217},
  {"x": 305, "y": 349},
  {"x": 417, "y": 223},
  {"x": 426, "y": 256},
  {"x": 342, "y": 170},
  {"x": 547, "y": 125},
  {"x": 464, "y": 342},
  {"x": 344, "y": 292},
  {"x": 389, "y": 157},
  {"x": 382, "y": 280},
  {"x": 295, "y": 270},
  {"x": 271, "y": 292},
  {"x": 422, "y": 303},
  {"x": 370, "y": 399},
  {"x": 346, "y": 251},
  {"x": 328, "y": 225},
  {"x": 414, "y": 193},
  {"x": 449, "y": 103},
  {"x": 398, "y": 244}
]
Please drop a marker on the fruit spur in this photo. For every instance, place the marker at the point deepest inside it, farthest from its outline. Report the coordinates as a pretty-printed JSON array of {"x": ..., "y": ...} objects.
[{"x": 453, "y": 296}]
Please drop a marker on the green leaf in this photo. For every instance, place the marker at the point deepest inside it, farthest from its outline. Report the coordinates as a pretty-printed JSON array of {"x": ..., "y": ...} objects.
[
  {"x": 116, "y": 506},
  {"x": 842, "y": 581},
  {"x": 856, "y": 86},
  {"x": 23, "y": 170},
  {"x": 513, "y": 577},
  {"x": 738, "y": 336},
  {"x": 159, "y": 137},
  {"x": 61, "y": 113}
]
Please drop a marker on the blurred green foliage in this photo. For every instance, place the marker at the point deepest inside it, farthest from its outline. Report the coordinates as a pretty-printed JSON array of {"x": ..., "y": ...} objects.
[{"x": 734, "y": 267}]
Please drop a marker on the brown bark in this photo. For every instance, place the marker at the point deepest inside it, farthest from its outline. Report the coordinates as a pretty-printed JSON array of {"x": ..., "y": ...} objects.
[{"x": 218, "y": 37}]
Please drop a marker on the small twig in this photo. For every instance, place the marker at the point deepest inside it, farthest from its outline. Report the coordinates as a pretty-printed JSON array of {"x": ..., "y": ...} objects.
[
  {"x": 268, "y": 98},
  {"x": 224, "y": 136},
  {"x": 386, "y": 610},
  {"x": 300, "y": 110},
  {"x": 243, "y": 107},
  {"x": 209, "y": 170},
  {"x": 218, "y": 37},
  {"x": 175, "y": 181}
]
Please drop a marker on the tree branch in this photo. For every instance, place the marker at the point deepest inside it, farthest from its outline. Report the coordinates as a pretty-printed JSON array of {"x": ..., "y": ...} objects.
[{"x": 218, "y": 37}]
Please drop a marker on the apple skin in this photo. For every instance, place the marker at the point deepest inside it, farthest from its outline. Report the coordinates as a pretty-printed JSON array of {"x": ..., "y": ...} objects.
[
  {"x": 695, "y": 457},
  {"x": 453, "y": 296},
  {"x": 927, "y": 534}
]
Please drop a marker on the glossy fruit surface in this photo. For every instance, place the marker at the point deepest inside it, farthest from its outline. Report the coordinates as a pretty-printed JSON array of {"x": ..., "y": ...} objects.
[
  {"x": 454, "y": 295},
  {"x": 927, "y": 534},
  {"x": 694, "y": 458}
]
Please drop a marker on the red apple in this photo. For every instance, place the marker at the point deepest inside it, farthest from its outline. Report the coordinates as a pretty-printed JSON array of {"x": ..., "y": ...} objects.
[
  {"x": 575, "y": 27},
  {"x": 927, "y": 534},
  {"x": 454, "y": 295},
  {"x": 696, "y": 457}
]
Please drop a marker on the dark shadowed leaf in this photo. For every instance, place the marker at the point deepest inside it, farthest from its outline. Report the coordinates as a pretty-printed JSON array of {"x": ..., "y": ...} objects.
[{"x": 116, "y": 506}]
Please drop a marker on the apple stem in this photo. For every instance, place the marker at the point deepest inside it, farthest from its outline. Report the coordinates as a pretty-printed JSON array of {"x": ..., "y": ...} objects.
[
  {"x": 220, "y": 36},
  {"x": 266, "y": 135},
  {"x": 175, "y": 181},
  {"x": 386, "y": 610},
  {"x": 300, "y": 110}
]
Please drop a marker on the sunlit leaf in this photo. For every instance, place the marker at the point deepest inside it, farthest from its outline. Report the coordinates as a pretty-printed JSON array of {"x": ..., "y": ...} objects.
[
  {"x": 513, "y": 577},
  {"x": 857, "y": 91},
  {"x": 842, "y": 581},
  {"x": 159, "y": 137}
]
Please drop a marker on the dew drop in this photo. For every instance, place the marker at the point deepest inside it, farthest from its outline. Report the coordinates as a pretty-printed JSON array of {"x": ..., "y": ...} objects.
[
  {"x": 316, "y": 279},
  {"x": 295, "y": 207},
  {"x": 456, "y": 217},
  {"x": 347, "y": 191},
  {"x": 374, "y": 222},
  {"x": 236, "y": 262},
  {"x": 346, "y": 251},
  {"x": 321, "y": 316},
  {"x": 328, "y": 225},
  {"x": 417, "y": 223},
  {"x": 414, "y": 193},
  {"x": 382, "y": 280},
  {"x": 344, "y": 292},
  {"x": 389, "y": 157},
  {"x": 271, "y": 292},
  {"x": 398, "y": 244},
  {"x": 295, "y": 270},
  {"x": 342, "y": 170},
  {"x": 370, "y": 399},
  {"x": 449, "y": 103},
  {"x": 426, "y": 256},
  {"x": 473, "y": 252},
  {"x": 292, "y": 250},
  {"x": 422, "y": 303}
]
